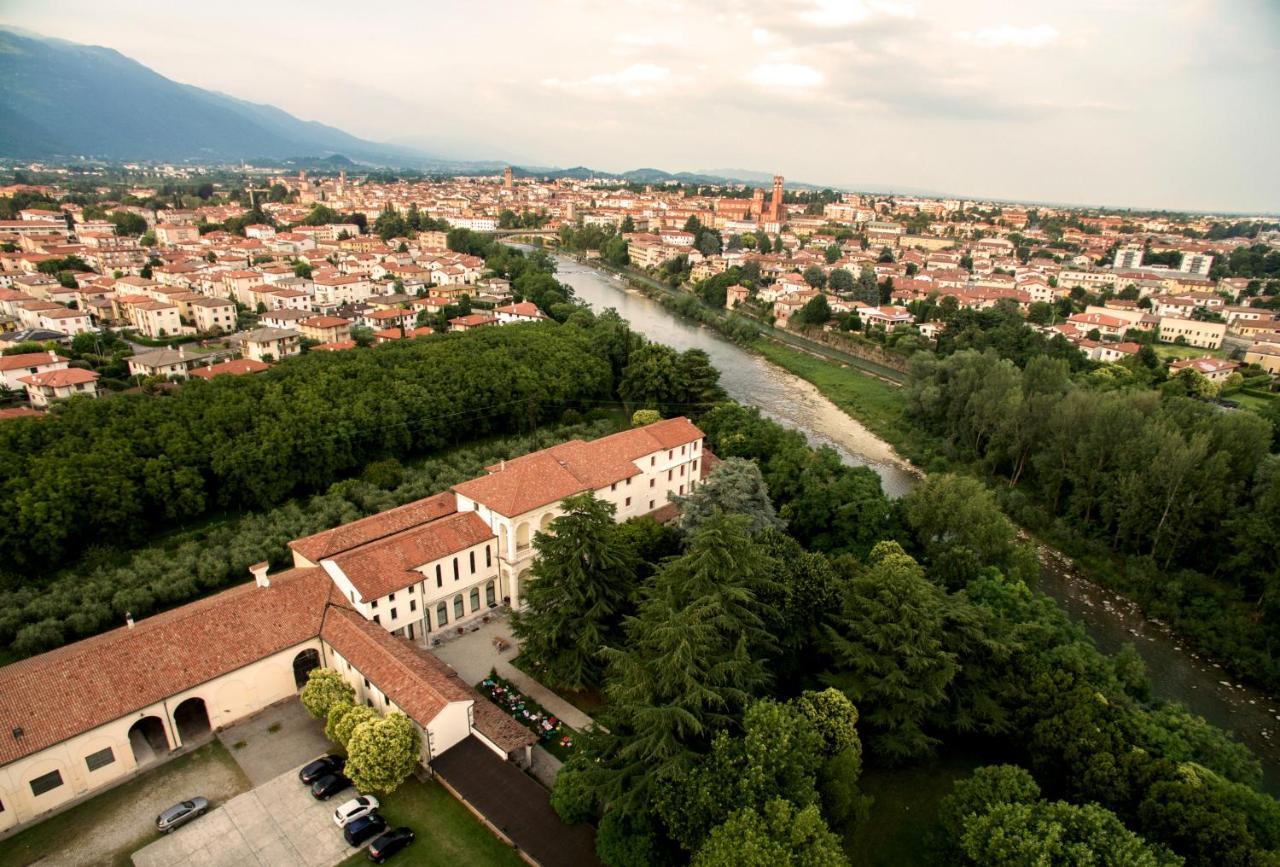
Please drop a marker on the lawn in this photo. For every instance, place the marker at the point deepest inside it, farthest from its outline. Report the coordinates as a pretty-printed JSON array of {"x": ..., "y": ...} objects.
[
  {"x": 904, "y": 812},
  {"x": 102, "y": 818},
  {"x": 448, "y": 834},
  {"x": 1171, "y": 351}
]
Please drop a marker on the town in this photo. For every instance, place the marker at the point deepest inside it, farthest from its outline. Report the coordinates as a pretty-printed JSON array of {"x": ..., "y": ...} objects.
[
  {"x": 235, "y": 285},
  {"x": 180, "y": 279}
]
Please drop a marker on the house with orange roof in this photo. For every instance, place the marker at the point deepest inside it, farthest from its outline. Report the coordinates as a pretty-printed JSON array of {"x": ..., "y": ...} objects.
[
  {"x": 14, "y": 367},
  {"x": 54, "y": 385}
]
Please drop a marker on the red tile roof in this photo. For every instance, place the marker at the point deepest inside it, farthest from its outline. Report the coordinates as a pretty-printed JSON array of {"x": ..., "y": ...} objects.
[
  {"x": 330, "y": 542},
  {"x": 419, "y": 683},
  {"x": 538, "y": 479},
  {"x": 29, "y": 359},
  {"x": 60, "y": 378},
  {"x": 235, "y": 367},
  {"x": 387, "y": 565},
  {"x": 73, "y": 689}
]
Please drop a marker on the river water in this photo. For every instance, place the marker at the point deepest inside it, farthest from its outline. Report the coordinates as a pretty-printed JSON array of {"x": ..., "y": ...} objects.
[{"x": 1177, "y": 673}]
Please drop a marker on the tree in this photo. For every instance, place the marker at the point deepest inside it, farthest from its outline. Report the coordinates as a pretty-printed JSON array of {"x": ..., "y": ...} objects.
[
  {"x": 816, "y": 311},
  {"x": 733, "y": 488},
  {"x": 1011, "y": 835},
  {"x": 325, "y": 688},
  {"x": 963, "y": 530},
  {"x": 381, "y": 754},
  {"x": 348, "y": 722},
  {"x": 581, "y": 582},
  {"x": 889, "y": 652},
  {"x": 337, "y": 711},
  {"x": 780, "y": 835},
  {"x": 651, "y": 379},
  {"x": 840, "y": 280},
  {"x": 867, "y": 289},
  {"x": 832, "y": 253},
  {"x": 815, "y": 276},
  {"x": 642, "y": 417},
  {"x": 976, "y": 794}
]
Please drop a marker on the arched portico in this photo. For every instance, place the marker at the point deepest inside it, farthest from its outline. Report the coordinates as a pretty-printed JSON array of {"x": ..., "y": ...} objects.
[
  {"x": 148, "y": 740},
  {"x": 191, "y": 719},
  {"x": 303, "y": 664}
]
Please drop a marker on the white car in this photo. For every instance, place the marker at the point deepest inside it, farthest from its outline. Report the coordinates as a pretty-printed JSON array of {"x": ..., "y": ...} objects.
[{"x": 354, "y": 809}]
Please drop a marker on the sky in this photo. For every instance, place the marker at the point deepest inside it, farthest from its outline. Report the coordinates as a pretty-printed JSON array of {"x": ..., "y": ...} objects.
[{"x": 1099, "y": 102}]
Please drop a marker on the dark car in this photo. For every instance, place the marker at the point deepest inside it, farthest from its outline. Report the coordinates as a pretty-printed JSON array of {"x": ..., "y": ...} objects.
[
  {"x": 180, "y": 814},
  {"x": 329, "y": 785},
  {"x": 389, "y": 844},
  {"x": 364, "y": 829},
  {"x": 322, "y": 766}
]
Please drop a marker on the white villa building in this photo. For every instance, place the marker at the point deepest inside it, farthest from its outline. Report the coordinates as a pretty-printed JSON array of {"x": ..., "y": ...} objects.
[{"x": 366, "y": 599}]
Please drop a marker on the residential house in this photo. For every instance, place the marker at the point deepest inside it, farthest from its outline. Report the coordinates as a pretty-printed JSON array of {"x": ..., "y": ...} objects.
[
  {"x": 54, "y": 385},
  {"x": 268, "y": 344},
  {"x": 13, "y": 368}
]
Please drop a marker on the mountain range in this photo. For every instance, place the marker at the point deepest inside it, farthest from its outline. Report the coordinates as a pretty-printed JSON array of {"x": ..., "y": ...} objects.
[{"x": 63, "y": 100}]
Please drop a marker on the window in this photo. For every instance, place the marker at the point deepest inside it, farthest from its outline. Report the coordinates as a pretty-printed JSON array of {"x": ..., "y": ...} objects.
[
  {"x": 458, "y": 611},
  {"x": 628, "y": 501},
  {"x": 393, "y": 614},
  {"x": 682, "y": 448},
  {"x": 628, "y": 481},
  {"x": 366, "y": 683},
  {"x": 670, "y": 473},
  {"x": 682, "y": 490},
  {"x": 490, "y": 594},
  {"x": 374, "y": 605},
  {"x": 488, "y": 557},
  {"x": 652, "y": 461},
  {"x": 651, "y": 505},
  {"x": 475, "y": 599},
  {"x": 651, "y": 481},
  {"x": 442, "y": 614},
  {"x": 472, "y": 555},
  {"x": 377, "y": 620},
  {"x": 100, "y": 759},
  {"x": 614, "y": 486},
  {"x": 695, "y": 466},
  {"x": 455, "y": 569},
  {"x": 46, "y": 782},
  {"x": 682, "y": 469},
  {"x": 413, "y": 604},
  {"x": 439, "y": 577},
  {"x": 671, "y": 454}
]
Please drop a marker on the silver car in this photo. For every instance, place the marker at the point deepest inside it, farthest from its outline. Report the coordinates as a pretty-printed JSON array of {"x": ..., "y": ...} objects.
[{"x": 180, "y": 814}]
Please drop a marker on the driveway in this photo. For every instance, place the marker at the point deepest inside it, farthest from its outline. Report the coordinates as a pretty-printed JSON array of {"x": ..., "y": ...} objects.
[
  {"x": 274, "y": 740},
  {"x": 516, "y": 805},
  {"x": 277, "y": 824}
]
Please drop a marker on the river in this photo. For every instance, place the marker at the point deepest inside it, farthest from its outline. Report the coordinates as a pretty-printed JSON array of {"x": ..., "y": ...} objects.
[{"x": 1177, "y": 673}]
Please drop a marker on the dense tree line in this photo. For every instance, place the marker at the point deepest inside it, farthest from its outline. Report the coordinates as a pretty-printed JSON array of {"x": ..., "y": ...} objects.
[
  {"x": 120, "y": 469},
  {"x": 1178, "y": 499},
  {"x": 717, "y": 744},
  {"x": 96, "y": 593}
]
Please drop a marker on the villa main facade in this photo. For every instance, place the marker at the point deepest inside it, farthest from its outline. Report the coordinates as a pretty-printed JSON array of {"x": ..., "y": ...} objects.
[{"x": 366, "y": 599}]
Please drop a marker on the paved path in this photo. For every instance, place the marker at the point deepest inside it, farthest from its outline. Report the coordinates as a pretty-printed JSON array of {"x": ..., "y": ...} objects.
[
  {"x": 277, "y": 824},
  {"x": 516, "y": 805},
  {"x": 473, "y": 656}
]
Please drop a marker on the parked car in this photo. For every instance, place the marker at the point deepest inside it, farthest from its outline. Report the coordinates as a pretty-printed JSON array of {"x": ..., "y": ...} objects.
[
  {"x": 364, "y": 829},
  {"x": 389, "y": 844},
  {"x": 329, "y": 785},
  {"x": 321, "y": 767},
  {"x": 180, "y": 814},
  {"x": 354, "y": 809}
]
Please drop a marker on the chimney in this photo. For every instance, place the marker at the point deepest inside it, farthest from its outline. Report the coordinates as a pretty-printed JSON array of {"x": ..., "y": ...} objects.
[
  {"x": 182, "y": 351},
  {"x": 128, "y": 619},
  {"x": 259, "y": 573},
  {"x": 53, "y": 356}
]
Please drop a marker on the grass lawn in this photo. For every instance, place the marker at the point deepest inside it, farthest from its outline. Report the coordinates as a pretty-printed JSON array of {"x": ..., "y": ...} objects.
[
  {"x": 89, "y": 820},
  {"x": 448, "y": 834},
  {"x": 903, "y": 814},
  {"x": 1175, "y": 352},
  {"x": 1251, "y": 401}
]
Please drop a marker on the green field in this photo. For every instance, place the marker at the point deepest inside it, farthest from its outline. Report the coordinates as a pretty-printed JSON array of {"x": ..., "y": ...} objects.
[
  {"x": 448, "y": 835},
  {"x": 1174, "y": 352}
]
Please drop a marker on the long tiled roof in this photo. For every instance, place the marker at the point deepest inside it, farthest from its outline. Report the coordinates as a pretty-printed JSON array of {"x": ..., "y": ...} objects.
[
  {"x": 525, "y": 483},
  {"x": 386, "y": 565},
  {"x": 73, "y": 689},
  {"x": 419, "y": 683},
  {"x": 334, "y": 541}
]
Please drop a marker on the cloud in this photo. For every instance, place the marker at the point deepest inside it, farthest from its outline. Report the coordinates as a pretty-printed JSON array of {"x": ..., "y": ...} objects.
[
  {"x": 637, "y": 80},
  {"x": 842, "y": 13},
  {"x": 785, "y": 76},
  {"x": 1009, "y": 36}
]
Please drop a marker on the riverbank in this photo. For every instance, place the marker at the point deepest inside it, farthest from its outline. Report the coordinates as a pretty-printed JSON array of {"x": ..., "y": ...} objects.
[{"x": 839, "y": 406}]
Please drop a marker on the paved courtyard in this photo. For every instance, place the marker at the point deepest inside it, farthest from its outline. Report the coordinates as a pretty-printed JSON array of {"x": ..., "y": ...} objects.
[
  {"x": 277, "y": 824},
  {"x": 473, "y": 656},
  {"x": 264, "y": 754}
]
